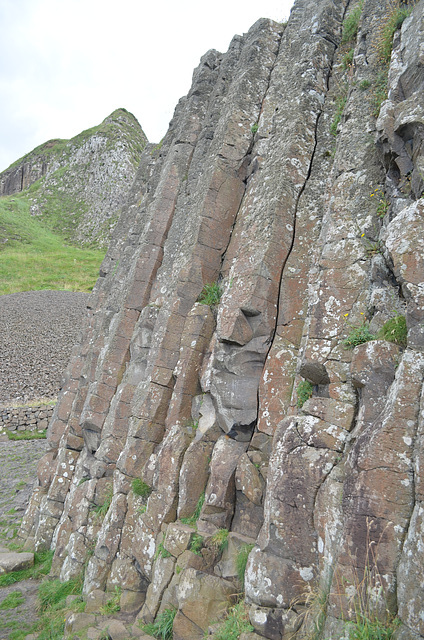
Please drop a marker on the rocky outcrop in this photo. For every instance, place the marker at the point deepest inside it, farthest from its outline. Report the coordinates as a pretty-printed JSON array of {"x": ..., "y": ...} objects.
[
  {"x": 79, "y": 186},
  {"x": 285, "y": 407}
]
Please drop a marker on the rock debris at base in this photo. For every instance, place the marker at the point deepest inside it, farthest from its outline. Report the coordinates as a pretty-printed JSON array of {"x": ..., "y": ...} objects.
[{"x": 37, "y": 332}]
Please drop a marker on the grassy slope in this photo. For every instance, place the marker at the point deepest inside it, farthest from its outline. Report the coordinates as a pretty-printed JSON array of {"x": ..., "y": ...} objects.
[{"x": 32, "y": 257}]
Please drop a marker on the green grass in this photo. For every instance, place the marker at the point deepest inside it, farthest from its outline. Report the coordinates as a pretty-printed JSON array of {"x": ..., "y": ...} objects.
[
  {"x": 236, "y": 623},
  {"x": 351, "y": 24},
  {"x": 113, "y": 604},
  {"x": 27, "y": 435},
  {"x": 196, "y": 544},
  {"x": 211, "y": 294},
  {"x": 358, "y": 335},
  {"x": 191, "y": 521},
  {"x": 141, "y": 488},
  {"x": 375, "y": 629},
  {"x": 53, "y": 593},
  {"x": 13, "y": 600},
  {"x": 161, "y": 552},
  {"x": 219, "y": 540},
  {"x": 304, "y": 392},
  {"x": 395, "y": 330},
  {"x": 348, "y": 59},
  {"x": 387, "y": 30},
  {"x": 393, "y": 22},
  {"x": 241, "y": 561},
  {"x": 101, "y": 509},
  {"x": 341, "y": 100},
  {"x": 52, "y": 596},
  {"x": 33, "y": 257},
  {"x": 161, "y": 628},
  {"x": 42, "y": 565}
]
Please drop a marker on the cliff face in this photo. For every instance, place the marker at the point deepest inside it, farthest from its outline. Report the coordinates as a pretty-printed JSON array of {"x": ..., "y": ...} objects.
[
  {"x": 79, "y": 186},
  {"x": 276, "y": 181}
]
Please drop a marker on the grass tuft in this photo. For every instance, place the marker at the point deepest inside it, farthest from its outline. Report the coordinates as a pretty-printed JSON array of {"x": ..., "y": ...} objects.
[
  {"x": 161, "y": 628},
  {"x": 191, "y": 521},
  {"x": 113, "y": 604},
  {"x": 102, "y": 509},
  {"x": 219, "y": 540},
  {"x": 161, "y": 552},
  {"x": 236, "y": 623},
  {"x": 241, "y": 561},
  {"x": 196, "y": 544},
  {"x": 141, "y": 488},
  {"x": 358, "y": 335},
  {"x": 341, "y": 100},
  {"x": 304, "y": 392},
  {"x": 351, "y": 24},
  {"x": 53, "y": 593},
  {"x": 211, "y": 294},
  {"x": 395, "y": 330}
]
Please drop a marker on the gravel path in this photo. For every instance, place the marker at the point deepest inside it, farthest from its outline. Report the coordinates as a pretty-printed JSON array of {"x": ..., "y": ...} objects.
[{"x": 37, "y": 332}]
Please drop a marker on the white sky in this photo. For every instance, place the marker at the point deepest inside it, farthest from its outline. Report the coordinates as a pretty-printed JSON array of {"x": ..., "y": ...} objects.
[{"x": 65, "y": 65}]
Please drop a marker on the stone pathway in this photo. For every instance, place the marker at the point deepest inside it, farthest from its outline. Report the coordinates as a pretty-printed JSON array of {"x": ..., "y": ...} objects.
[{"x": 18, "y": 474}]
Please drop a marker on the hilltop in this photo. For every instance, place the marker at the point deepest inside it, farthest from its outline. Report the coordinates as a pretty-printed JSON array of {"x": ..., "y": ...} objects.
[{"x": 76, "y": 187}]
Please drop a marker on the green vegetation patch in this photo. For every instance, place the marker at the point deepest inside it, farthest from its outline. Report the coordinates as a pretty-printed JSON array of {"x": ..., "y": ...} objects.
[
  {"x": 394, "y": 21},
  {"x": 236, "y": 623},
  {"x": 161, "y": 628},
  {"x": 304, "y": 392},
  {"x": 358, "y": 335},
  {"x": 373, "y": 629},
  {"x": 42, "y": 566},
  {"x": 12, "y": 600},
  {"x": 191, "y": 521},
  {"x": 219, "y": 540},
  {"x": 241, "y": 561},
  {"x": 341, "y": 100},
  {"x": 32, "y": 257},
  {"x": 211, "y": 294},
  {"x": 141, "y": 488},
  {"x": 53, "y": 593},
  {"x": 395, "y": 330},
  {"x": 161, "y": 552},
  {"x": 196, "y": 544},
  {"x": 27, "y": 435},
  {"x": 101, "y": 509},
  {"x": 113, "y": 603},
  {"x": 351, "y": 24}
]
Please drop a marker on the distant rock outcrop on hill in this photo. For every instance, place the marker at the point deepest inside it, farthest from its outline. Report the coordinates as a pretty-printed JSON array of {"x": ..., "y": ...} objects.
[{"x": 79, "y": 186}]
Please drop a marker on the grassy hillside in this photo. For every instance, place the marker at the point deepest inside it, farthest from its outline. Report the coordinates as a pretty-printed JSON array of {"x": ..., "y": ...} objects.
[{"x": 33, "y": 257}]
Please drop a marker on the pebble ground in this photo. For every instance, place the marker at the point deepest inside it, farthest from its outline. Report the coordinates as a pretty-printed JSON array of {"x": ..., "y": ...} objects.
[{"x": 37, "y": 332}]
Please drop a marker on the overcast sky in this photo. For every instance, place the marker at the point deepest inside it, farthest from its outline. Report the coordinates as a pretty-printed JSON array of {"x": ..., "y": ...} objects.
[{"x": 65, "y": 65}]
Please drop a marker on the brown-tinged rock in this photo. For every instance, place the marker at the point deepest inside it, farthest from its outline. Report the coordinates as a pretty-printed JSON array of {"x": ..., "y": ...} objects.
[{"x": 203, "y": 598}]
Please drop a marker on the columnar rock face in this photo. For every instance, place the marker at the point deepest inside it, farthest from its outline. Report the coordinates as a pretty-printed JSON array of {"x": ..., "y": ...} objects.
[
  {"x": 252, "y": 415},
  {"x": 79, "y": 186}
]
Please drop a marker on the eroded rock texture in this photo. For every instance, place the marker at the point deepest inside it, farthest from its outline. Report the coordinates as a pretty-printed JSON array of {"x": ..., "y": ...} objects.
[{"x": 308, "y": 234}]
